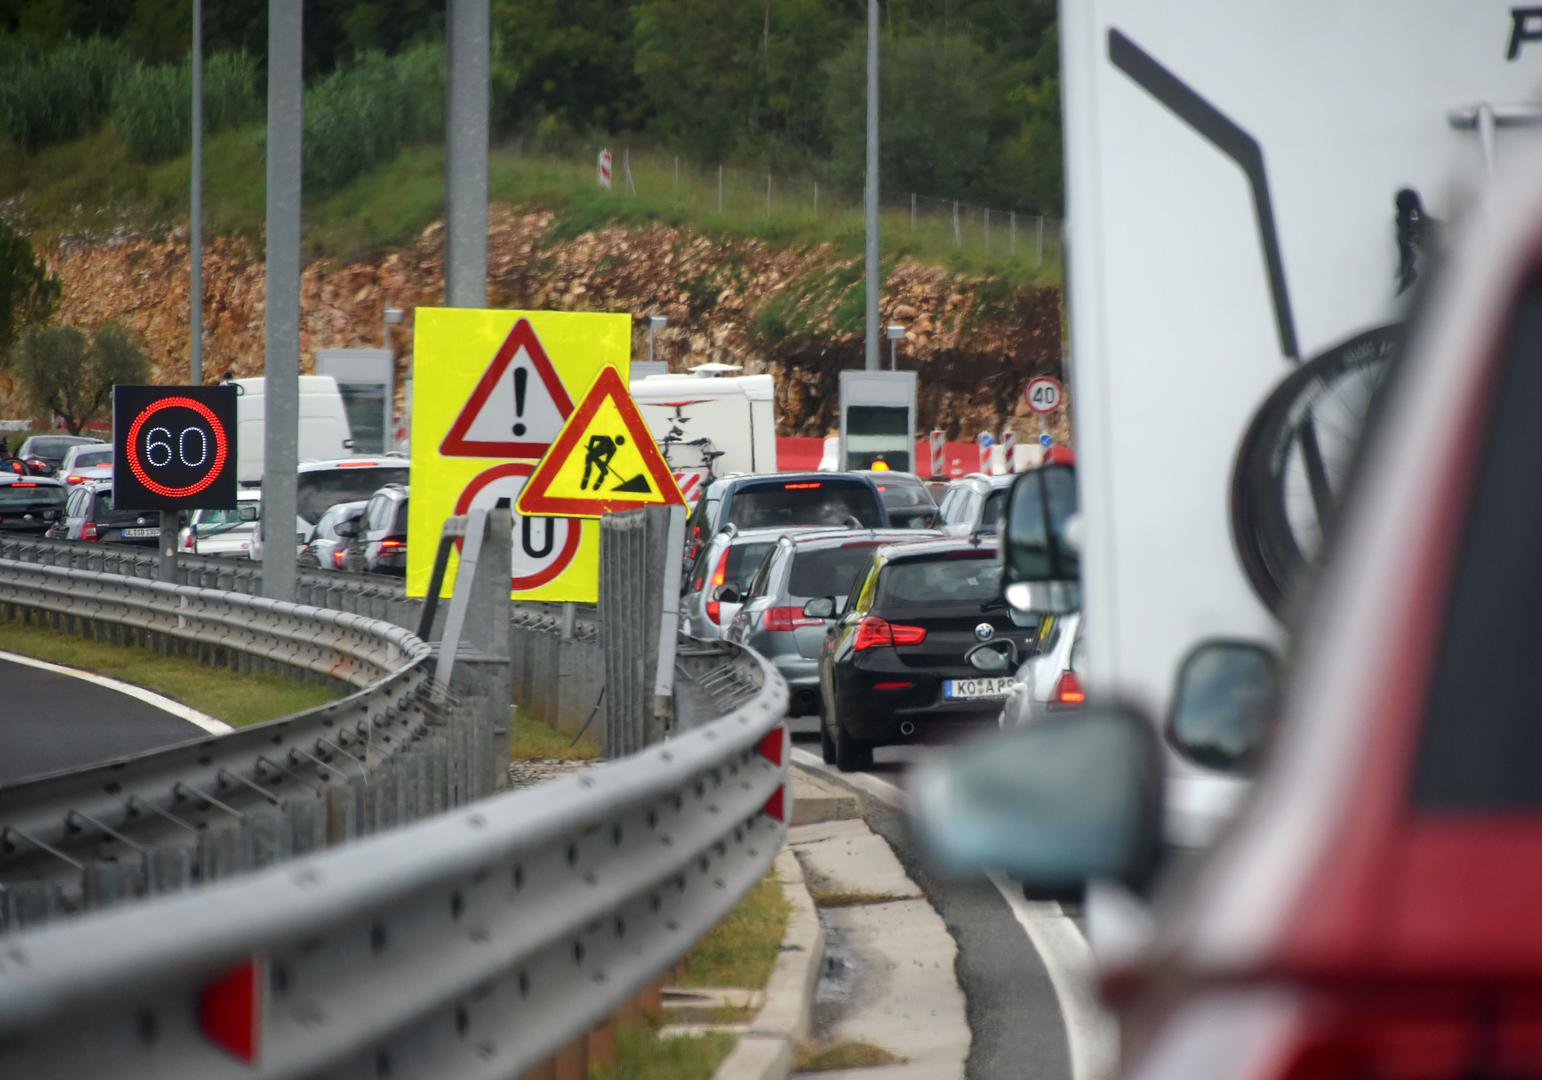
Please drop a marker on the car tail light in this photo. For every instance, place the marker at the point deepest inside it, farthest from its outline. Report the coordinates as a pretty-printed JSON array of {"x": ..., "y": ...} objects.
[
  {"x": 873, "y": 632},
  {"x": 1068, "y": 689},
  {"x": 337, "y": 558},
  {"x": 719, "y": 577},
  {"x": 187, "y": 543},
  {"x": 892, "y": 685},
  {"x": 808, "y": 485},
  {"x": 393, "y": 546},
  {"x": 74, "y": 479},
  {"x": 784, "y": 619},
  {"x": 88, "y": 531}
]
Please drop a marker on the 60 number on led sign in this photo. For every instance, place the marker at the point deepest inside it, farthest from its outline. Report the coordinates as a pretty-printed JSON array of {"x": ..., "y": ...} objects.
[{"x": 174, "y": 447}]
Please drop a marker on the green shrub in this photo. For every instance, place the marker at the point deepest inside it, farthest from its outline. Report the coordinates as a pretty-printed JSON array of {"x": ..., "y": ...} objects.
[
  {"x": 54, "y": 96},
  {"x": 363, "y": 115},
  {"x": 152, "y": 103}
]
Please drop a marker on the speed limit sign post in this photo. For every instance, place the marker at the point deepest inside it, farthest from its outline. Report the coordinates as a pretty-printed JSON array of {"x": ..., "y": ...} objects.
[
  {"x": 1044, "y": 394},
  {"x": 174, "y": 449}
]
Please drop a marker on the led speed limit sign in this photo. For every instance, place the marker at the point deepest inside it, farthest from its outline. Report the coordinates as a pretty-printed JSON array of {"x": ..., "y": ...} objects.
[
  {"x": 174, "y": 447},
  {"x": 1044, "y": 394}
]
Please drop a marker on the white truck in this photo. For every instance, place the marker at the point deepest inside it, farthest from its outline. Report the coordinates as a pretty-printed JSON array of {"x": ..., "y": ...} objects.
[
  {"x": 703, "y": 419},
  {"x": 324, "y": 430}
]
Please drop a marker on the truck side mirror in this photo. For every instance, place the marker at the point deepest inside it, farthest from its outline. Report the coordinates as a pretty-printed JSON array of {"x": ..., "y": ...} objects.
[{"x": 1040, "y": 560}]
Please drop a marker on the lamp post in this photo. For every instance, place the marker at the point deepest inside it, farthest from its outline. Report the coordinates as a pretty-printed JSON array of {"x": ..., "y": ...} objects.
[
  {"x": 894, "y": 332},
  {"x": 393, "y": 316},
  {"x": 655, "y": 324}
]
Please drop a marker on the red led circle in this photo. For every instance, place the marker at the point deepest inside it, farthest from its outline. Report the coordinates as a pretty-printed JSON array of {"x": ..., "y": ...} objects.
[{"x": 221, "y": 448}]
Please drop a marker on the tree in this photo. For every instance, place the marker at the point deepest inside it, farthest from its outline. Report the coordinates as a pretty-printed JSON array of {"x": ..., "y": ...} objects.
[
  {"x": 59, "y": 370},
  {"x": 28, "y": 290}
]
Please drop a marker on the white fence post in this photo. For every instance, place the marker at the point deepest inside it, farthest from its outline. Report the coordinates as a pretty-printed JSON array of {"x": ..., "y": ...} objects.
[{"x": 1039, "y": 255}]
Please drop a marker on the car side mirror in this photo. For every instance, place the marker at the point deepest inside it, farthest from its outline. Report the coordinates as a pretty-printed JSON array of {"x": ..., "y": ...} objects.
[
  {"x": 1040, "y": 560},
  {"x": 1224, "y": 705},
  {"x": 1068, "y": 800},
  {"x": 821, "y": 607},
  {"x": 727, "y": 594},
  {"x": 993, "y": 657}
]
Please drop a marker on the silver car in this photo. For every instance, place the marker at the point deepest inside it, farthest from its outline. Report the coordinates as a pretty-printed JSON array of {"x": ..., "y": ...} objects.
[
  {"x": 800, "y": 567},
  {"x": 722, "y": 568},
  {"x": 1048, "y": 680}
]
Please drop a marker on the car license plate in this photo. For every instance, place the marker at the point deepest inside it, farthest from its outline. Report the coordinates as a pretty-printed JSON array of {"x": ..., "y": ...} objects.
[
  {"x": 965, "y": 689},
  {"x": 141, "y": 532}
]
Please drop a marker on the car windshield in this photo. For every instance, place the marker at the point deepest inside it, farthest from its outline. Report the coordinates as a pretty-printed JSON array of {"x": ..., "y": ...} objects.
[
  {"x": 53, "y": 447},
  {"x": 321, "y": 488},
  {"x": 399, "y": 525},
  {"x": 942, "y": 580},
  {"x": 88, "y": 459},
  {"x": 43, "y": 495},
  {"x": 828, "y": 571},
  {"x": 805, "y": 502},
  {"x": 900, "y": 494},
  {"x": 104, "y": 511}
]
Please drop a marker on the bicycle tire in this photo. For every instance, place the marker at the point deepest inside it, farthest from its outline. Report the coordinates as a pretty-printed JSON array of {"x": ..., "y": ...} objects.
[{"x": 1283, "y": 437}]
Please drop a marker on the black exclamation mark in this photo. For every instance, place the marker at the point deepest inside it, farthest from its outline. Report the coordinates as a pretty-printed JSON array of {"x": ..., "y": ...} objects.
[{"x": 520, "y": 377}]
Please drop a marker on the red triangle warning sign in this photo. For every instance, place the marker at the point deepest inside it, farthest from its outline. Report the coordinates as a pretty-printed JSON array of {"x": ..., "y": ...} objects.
[
  {"x": 603, "y": 460},
  {"x": 518, "y": 406}
]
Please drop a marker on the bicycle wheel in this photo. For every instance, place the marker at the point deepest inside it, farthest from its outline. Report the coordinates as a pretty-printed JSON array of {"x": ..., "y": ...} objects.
[{"x": 1295, "y": 460}]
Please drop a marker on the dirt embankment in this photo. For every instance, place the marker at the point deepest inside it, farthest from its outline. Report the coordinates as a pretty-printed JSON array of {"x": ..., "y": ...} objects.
[{"x": 795, "y": 313}]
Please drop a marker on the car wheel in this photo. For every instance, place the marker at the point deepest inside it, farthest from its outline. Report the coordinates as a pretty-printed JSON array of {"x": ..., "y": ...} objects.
[
  {"x": 826, "y": 743},
  {"x": 851, "y": 753}
]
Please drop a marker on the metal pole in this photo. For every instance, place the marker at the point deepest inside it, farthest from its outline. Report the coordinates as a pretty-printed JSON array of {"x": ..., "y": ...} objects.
[
  {"x": 467, "y": 30},
  {"x": 281, "y": 353},
  {"x": 195, "y": 210},
  {"x": 167, "y": 569},
  {"x": 912, "y": 211},
  {"x": 650, "y": 341},
  {"x": 1012, "y": 233},
  {"x": 768, "y": 194},
  {"x": 987, "y": 230},
  {"x": 870, "y": 192},
  {"x": 816, "y": 198},
  {"x": 1039, "y": 257},
  {"x": 677, "y": 174},
  {"x": 720, "y": 189}
]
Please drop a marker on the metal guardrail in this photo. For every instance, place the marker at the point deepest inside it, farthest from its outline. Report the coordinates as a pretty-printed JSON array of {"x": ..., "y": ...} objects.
[
  {"x": 211, "y": 807},
  {"x": 472, "y": 945}
]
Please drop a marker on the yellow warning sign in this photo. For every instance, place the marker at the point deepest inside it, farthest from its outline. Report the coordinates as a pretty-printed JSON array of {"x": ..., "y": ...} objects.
[
  {"x": 486, "y": 381},
  {"x": 603, "y": 460}
]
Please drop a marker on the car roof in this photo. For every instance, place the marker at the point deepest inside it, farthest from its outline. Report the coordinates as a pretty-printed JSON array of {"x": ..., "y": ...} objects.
[
  {"x": 363, "y": 461},
  {"x": 806, "y": 476},
  {"x": 769, "y": 532},
  {"x": 839, "y": 536},
  {"x": 924, "y": 549},
  {"x": 994, "y": 481}
]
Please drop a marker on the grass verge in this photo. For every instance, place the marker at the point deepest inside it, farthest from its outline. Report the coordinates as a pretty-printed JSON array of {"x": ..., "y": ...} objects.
[
  {"x": 741, "y": 950},
  {"x": 832, "y": 898},
  {"x": 642, "y": 1055},
  {"x": 531, "y": 740},
  {"x": 230, "y": 696},
  {"x": 846, "y": 1055}
]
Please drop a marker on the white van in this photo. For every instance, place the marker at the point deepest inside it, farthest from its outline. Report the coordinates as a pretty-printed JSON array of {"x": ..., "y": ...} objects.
[
  {"x": 324, "y": 430},
  {"x": 694, "y": 415}
]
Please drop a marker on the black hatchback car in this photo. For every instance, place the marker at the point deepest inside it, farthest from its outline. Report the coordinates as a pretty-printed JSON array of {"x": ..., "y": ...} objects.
[
  {"x": 90, "y": 516},
  {"x": 30, "y": 504},
  {"x": 893, "y": 667}
]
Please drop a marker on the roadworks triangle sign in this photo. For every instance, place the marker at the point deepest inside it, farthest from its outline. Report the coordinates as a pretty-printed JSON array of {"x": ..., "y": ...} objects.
[
  {"x": 604, "y": 460},
  {"x": 518, "y": 406}
]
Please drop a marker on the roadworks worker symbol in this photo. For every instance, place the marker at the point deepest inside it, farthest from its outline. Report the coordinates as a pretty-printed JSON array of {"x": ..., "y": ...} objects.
[{"x": 603, "y": 460}]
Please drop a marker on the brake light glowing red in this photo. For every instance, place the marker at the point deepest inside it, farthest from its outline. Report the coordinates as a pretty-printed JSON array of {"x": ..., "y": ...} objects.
[
  {"x": 24, "y": 485},
  {"x": 337, "y": 558},
  {"x": 873, "y": 632},
  {"x": 892, "y": 685},
  {"x": 1068, "y": 689},
  {"x": 357, "y": 464},
  {"x": 73, "y": 479},
  {"x": 804, "y": 486},
  {"x": 720, "y": 575},
  {"x": 783, "y": 619},
  {"x": 393, "y": 545}
]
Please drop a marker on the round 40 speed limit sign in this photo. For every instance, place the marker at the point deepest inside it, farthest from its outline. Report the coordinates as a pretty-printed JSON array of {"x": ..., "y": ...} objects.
[{"x": 1044, "y": 394}]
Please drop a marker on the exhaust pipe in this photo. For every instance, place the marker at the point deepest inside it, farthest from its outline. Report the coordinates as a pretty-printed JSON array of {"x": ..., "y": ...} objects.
[{"x": 907, "y": 728}]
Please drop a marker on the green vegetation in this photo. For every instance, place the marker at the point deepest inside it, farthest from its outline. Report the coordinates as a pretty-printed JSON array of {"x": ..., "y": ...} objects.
[
  {"x": 741, "y": 950},
  {"x": 150, "y": 109},
  {"x": 832, "y": 898},
  {"x": 642, "y": 1055},
  {"x": 235, "y": 698},
  {"x": 59, "y": 370},
  {"x": 28, "y": 291},
  {"x": 846, "y": 1055},
  {"x": 531, "y": 740}
]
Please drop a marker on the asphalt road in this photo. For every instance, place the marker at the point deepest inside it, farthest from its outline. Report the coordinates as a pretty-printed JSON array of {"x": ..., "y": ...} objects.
[
  {"x": 1014, "y": 1012},
  {"x": 50, "y": 722}
]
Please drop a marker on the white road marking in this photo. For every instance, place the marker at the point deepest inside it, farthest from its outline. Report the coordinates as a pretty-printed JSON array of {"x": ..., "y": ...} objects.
[
  {"x": 149, "y": 697},
  {"x": 1091, "y": 1031}
]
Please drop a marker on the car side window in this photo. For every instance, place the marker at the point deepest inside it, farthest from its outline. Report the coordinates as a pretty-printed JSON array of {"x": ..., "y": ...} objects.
[
  {"x": 757, "y": 583},
  {"x": 862, "y": 590}
]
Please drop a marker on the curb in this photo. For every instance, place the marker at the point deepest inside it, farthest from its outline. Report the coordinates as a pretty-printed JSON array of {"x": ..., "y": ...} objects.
[{"x": 768, "y": 1043}]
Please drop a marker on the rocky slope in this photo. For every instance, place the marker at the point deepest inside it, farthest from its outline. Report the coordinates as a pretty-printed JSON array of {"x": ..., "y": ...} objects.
[{"x": 795, "y": 313}]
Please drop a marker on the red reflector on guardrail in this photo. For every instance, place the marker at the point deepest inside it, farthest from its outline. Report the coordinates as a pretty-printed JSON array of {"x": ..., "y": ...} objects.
[
  {"x": 776, "y": 805},
  {"x": 230, "y": 1011},
  {"x": 773, "y": 747}
]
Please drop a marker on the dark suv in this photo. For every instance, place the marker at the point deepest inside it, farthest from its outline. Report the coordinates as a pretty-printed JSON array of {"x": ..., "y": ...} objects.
[
  {"x": 378, "y": 544},
  {"x": 784, "y": 500},
  {"x": 30, "y": 504}
]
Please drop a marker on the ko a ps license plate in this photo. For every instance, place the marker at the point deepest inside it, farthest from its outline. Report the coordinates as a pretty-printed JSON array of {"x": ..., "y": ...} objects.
[
  {"x": 969, "y": 689},
  {"x": 133, "y": 533}
]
